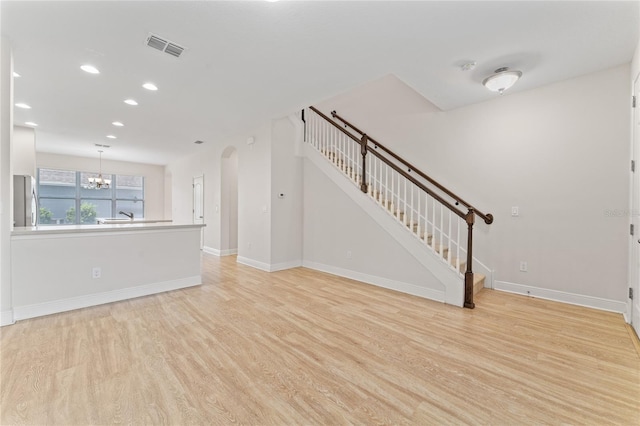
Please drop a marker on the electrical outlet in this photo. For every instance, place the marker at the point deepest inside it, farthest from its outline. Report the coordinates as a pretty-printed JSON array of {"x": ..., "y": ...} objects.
[
  {"x": 96, "y": 272},
  {"x": 523, "y": 266}
]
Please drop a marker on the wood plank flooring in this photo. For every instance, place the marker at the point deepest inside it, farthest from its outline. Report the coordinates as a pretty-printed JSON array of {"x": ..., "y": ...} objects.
[{"x": 300, "y": 347}]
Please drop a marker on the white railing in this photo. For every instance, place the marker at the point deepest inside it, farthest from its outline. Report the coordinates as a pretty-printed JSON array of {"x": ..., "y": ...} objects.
[{"x": 436, "y": 225}]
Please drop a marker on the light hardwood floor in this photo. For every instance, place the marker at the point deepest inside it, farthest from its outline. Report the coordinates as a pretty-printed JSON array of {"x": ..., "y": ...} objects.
[{"x": 301, "y": 347}]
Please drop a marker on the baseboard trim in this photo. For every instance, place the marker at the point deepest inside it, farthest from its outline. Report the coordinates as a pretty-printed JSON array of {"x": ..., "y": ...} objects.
[
  {"x": 285, "y": 265},
  {"x": 254, "y": 263},
  {"x": 64, "y": 305},
  {"x": 6, "y": 318},
  {"x": 269, "y": 267},
  {"x": 561, "y": 296},
  {"x": 219, "y": 253},
  {"x": 402, "y": 287}
]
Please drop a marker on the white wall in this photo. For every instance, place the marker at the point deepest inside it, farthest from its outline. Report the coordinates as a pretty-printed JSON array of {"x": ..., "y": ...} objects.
[
  {"x": 340, "y": 238},
  {"x": 254, "y": 197},
  {"x": 229, "y": 202},
  {"x": 23, "y": 154},
  {"x": 286, "y": 178},
  {"x": 6, "y": 185},
  {"x": 154, "y": 182},
  {"x": 560, "y": 153}
]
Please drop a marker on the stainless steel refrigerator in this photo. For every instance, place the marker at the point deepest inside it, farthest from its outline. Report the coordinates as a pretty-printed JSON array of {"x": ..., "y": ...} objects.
[{"x": 25, "y": 202}]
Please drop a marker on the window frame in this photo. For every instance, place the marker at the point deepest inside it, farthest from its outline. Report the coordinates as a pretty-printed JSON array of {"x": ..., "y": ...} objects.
[{"x": 78, "y": 194}]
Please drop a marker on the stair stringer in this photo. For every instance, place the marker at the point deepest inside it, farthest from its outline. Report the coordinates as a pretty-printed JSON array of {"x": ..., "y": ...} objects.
[{"x": 451, "y": 281}]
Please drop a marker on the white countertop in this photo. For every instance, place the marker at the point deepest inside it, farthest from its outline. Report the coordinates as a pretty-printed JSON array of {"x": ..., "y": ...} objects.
[
  {"x": 129, "y": 226},
  {"x": 118, "y": 221}
]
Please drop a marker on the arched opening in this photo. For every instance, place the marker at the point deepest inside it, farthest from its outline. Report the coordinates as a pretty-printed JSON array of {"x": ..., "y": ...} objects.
[{"x": 229, "y": 202}]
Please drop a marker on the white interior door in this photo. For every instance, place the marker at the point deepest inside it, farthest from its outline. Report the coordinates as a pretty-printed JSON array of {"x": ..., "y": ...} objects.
[
  {"x": 635, "y": 213},
  {"x": 198, "y": 199}
]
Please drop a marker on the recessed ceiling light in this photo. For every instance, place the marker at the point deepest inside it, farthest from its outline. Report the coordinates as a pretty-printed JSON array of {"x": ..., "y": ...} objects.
[
  {"x": 117, "y": 124},
  {"x": 30, "y": 123},
  {"x": 111, "y": 136},
  {"x": 130, "y": 102},
  {"x": 15, "y": 74},
  {"x": 150, "y": 86},
  {"x": 90, "y": 69},
  {"x": 23, "y": 106}
]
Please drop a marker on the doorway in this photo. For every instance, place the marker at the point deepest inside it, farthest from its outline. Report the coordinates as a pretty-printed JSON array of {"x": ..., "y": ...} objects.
[
  {"x": 198, "y": 204},
  {"x": 634, "y": 276},
  {"x": 229, "y": 202}
]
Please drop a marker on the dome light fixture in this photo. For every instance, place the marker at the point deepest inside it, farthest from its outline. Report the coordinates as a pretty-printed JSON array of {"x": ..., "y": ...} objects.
[
  {"x": 150, "y": 86},
  {"x": 90, "y": 69},
  {"x": 502, "y": 79}
]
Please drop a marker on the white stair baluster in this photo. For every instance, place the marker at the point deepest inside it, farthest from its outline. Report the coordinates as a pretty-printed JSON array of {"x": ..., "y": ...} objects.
[
  {"x": 449, "y": 239},
  {"x": 441, "y": 230},
  {"x": 412, "y": 209},
  {"x": 458, "y": 248}
]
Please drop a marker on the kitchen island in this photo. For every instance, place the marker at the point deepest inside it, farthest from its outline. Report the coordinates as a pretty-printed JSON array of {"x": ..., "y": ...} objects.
[{"x": 60, "y": 268}]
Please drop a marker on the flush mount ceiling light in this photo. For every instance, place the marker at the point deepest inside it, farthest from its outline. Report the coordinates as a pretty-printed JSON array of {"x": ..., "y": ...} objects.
[
  {"x": 150, "y": 86},
  {"x": 117, "y": 124},
  {"x": 502, "y": 79},
  {"x": 30, "y": 123},
  {"x": 16, "y": 75},
  {"x": 130, "y": 102},
  {"x": 23, "y": 106},
  {"x": 111, "y": 136},
  {"x": 90, "y": 69}
]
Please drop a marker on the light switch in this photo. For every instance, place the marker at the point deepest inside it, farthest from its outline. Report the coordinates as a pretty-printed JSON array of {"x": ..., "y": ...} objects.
[{"x": 515, "y": 211}]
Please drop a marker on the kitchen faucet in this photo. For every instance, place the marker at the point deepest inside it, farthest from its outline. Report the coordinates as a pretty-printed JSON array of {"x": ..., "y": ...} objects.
[{"x": 129, "y": 215}]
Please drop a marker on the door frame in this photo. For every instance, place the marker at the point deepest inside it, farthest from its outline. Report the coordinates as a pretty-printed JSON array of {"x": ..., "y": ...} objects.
[
  {"x": 198, "y": 180},
  {"x": 634, "y": 249}
]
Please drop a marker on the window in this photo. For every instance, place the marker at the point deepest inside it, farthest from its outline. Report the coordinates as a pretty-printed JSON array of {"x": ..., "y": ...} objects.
[{"x": 63, "y": 199}]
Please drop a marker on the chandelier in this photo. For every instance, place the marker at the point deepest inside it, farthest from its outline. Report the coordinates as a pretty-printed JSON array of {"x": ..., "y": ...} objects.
[{"x": 98, "y": 182}]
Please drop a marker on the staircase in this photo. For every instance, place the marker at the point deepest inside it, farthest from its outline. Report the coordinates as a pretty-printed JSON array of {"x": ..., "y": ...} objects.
[
  {"x": 428, "y": 238},
  {"x": 425, "y": 208}
]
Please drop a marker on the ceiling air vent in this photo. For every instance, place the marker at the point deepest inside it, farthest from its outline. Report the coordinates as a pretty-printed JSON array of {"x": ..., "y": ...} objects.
[
  {"x": 164, "y": 45},
  {"x": 174, "y": 49}
]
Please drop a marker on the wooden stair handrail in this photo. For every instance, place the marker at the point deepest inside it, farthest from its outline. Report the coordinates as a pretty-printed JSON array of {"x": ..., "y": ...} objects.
[
  {"x": 395, "y": 167},
  {"x": 488, "y": 218}
]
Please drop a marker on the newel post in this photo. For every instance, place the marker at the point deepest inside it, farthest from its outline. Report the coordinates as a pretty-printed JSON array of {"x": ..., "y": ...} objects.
[
  {"x": 468, "y": 275},
  {"x": 363, "y": 150}
]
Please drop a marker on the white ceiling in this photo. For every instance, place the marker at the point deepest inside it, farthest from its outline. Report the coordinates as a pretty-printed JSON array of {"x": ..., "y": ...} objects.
[{"x": 249, "y": 61}]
